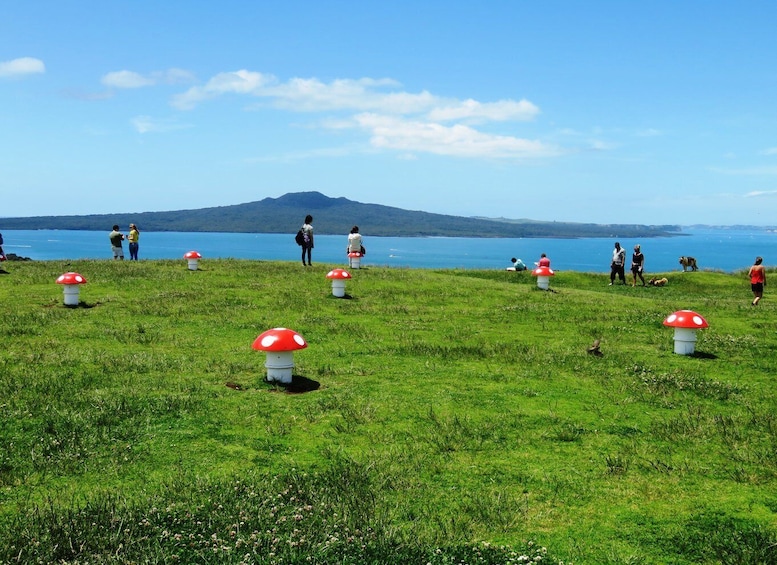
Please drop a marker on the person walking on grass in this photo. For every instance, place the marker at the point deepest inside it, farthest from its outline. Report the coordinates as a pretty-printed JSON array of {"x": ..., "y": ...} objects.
[
  {"x": 116, "y": 238},
  {"x": 133, "y": 237},
  {"x": 757, "y": 274},
  {"x": 307, "y": 234},
  {"x": 637, "y": 265},
  {"x": 617, "y": 264}
]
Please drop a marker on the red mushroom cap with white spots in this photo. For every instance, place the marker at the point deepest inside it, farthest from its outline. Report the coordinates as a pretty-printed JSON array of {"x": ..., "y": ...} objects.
[
  {"x": 338, "y": 274},
  {"x": 279, "y": 339},
  {"x": 70, "y": 278},
  {"x": 543, "y": 272},
  {"x": 686, "y": 319},
  {"x": 192, "y": 255},
  {"x": 354, "y": 254}
]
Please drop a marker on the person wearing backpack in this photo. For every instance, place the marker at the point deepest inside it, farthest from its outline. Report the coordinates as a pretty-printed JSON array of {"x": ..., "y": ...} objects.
[{"x": 307, "y": 235}]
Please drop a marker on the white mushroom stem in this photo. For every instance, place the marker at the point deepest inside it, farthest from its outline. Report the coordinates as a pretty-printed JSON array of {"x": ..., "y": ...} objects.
[
  {"x": 71, "y": 294},
  {"x": 543, "y": 282},
  {"x": 338, "y": 287},
  {"x": 354, "y": 261},
  {"x": 279, "y": 366},
  {"x": 684, "y": 341},
  {"x": 193, "y": 264}
]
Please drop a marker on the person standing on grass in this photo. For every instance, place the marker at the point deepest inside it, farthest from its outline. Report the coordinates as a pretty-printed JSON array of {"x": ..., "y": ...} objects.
[
  {"x": 617, "y": 264},
  {"x": 757, "y": 274},
  {"x": 116, "y": 238},
  {"x": 637, "y": 265},
  {"x": 133, "y": 237},
  {"x": 307, "y": 233}
]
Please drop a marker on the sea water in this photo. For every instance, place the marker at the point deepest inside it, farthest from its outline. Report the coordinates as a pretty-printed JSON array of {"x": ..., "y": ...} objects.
[{"x": 718, "y": 249}]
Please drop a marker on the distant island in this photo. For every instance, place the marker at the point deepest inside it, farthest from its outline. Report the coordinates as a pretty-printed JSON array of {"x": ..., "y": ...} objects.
[{"x": 334, "y": 216}]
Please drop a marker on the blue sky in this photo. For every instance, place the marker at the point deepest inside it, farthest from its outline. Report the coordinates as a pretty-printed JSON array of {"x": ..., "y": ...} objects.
[{"x": 597, "y": 111}]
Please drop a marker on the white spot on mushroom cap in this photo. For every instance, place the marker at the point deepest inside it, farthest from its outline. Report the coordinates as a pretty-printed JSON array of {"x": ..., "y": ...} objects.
[
  {"x": 268, "y": 340},
  {"x": 698, "y": 321},
  {"x": 671, "y": 318}
]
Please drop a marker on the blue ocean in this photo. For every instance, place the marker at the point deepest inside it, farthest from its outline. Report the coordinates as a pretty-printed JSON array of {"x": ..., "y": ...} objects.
[{"x": 717, "y": 249}]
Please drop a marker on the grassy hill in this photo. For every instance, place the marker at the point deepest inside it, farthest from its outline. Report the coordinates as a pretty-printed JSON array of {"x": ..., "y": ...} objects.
[
  {"x": 432, "y": 411},
  {"x": 332, "y": 216}
]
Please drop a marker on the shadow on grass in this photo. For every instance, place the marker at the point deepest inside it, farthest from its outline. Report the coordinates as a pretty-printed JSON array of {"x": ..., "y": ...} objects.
[
  {"x": 702, "y": 355},
  {"x": 298, "y": 385},
  {"x": 81, "y": 304}
]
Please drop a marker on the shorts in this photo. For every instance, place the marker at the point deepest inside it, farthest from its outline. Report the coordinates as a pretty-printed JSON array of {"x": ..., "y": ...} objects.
[
  {"x": 117, "y": 251},
  {"x": 757, "y": 287}
]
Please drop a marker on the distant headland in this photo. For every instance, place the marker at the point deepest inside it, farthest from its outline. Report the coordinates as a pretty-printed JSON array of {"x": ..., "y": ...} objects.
[{"x": 334, "y": 216}]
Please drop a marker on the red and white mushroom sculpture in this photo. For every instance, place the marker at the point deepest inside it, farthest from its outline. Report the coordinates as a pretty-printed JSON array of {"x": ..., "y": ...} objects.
[
  {"x": 338, "y": 278},
  {"x": 355, "y": 260},
  {"x": 193, "y": 258},
  {"x": 280, "y": 345},
  {"x": 70, "y": 282},
  {"x": 543, "y": 275},
  {"x": 685, "y": 324}
]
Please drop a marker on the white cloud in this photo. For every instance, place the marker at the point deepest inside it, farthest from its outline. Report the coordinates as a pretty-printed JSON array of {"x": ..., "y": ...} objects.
[
  {"x": 394, "y": 119},
  {"x": 126, "y": 79},
  {"x": 457, "y": 140},
  {"x": 759, "y": 193},
  {"x": 238, "y": 82},
  {"x": 769, "y": 151},
  {"x": 494, "y": 111},
  {"x": 147, "y": 124},
  {"x": 22, "y": 66},
  {"x": 131, "y": 79}
]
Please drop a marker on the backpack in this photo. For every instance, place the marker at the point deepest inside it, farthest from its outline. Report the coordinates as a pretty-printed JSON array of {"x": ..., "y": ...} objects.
[{"x": 300, "y": 238}]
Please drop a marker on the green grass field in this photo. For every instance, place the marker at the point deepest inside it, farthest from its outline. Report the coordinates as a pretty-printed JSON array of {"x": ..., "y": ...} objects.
[{"x": 450, "y": 416}]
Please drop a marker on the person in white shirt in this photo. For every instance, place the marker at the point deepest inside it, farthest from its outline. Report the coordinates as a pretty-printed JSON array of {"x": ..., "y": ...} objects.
[
  {"x": 618, "y": 263},
  {"x": 354, "y": 241}
]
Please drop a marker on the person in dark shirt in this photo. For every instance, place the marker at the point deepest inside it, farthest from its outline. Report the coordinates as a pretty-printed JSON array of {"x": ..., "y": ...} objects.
[{"x": 116, "y": 238}]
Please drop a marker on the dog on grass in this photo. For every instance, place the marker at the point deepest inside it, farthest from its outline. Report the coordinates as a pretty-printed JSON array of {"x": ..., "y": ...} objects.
[
  {"x": 658, "y": 282},
  {"x": 688, "y": 262}
]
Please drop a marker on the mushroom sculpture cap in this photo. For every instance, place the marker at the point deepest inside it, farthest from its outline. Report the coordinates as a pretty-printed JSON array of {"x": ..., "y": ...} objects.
[
  {"x": 70, "y": 278},
  {"x": 686, "y": 319},
  {"x": 279, "y": 339},
  {"x": 338, "y": 274},
  {"x": 192, "y": 255},
  {"x": 543, "y": 272},
  {"x": 355, "y": 254}
]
